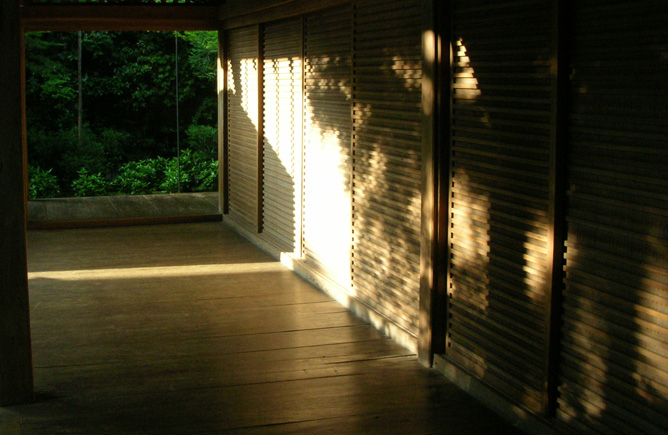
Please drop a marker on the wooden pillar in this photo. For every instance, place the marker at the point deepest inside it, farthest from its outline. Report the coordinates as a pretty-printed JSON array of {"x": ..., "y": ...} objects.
[
  {"x": 557, "y": 197},
  {"x": 223, "y": 192},
  {"x": 429, "y": 335},
  {"x": 16, "y": 383},
  {"x": 260, "y": 129}
]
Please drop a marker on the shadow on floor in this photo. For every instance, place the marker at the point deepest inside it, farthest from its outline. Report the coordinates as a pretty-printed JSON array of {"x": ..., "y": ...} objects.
[{"x": 191, "y": 329}]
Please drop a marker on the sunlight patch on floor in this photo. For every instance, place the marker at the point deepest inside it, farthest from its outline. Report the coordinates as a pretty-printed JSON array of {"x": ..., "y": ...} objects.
[{"x": 158, "y": 271}]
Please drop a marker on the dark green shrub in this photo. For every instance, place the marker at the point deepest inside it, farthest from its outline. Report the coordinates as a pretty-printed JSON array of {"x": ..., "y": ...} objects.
[
  {"x": 41, "y": 183},
  {"x": 114, "y": 144},
  {"x": 89, "y": 154},
  {"x": 203, "y": 138},
  {"x": 141, "y": 177},
  {"x": 206, "y": 174},
  {"x": 199, "y": 173},
  {"x": 61, "y": 151},
  {"x": 89, "y": 184},
  {"x": 170, "y": 182}
]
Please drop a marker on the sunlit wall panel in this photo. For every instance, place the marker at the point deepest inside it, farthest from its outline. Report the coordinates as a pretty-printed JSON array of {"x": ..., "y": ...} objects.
[
  {"x": 386, "y": 157},
  {"x": 282, "y": 110},
  {"x": 242, "y": 126},
  {"x": 327, "y": 138}
]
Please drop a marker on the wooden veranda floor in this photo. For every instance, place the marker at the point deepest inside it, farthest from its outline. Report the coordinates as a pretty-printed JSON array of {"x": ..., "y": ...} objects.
[{"x": 190, "y": 329}]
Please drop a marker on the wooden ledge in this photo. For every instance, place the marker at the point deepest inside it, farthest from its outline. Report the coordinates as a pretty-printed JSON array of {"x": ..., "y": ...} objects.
[{"x": 122, "y": 222}]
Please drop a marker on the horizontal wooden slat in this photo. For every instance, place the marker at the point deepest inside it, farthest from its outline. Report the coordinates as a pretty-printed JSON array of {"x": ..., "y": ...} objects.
[
  {"x": 242, "y": 120},
  {"x": 615, "y": 316},
  {"x": 387, "y": 158},
  {"x": 282, "y": 128},
  {"x": 499, "y": 193},
  {"x": 327, "y": 135}
]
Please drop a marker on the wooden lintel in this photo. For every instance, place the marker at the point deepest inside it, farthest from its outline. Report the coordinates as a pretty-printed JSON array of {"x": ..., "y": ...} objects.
[
  {"x": 235, "y": 8},
  {"x": 74, "y": 17},
  {"x": 243, "y": 13}
]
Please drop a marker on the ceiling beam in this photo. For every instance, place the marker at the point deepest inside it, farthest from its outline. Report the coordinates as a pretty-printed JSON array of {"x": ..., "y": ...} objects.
[
  {"x": 74, "y": 17},
  {"x": 239, "y": 13}
]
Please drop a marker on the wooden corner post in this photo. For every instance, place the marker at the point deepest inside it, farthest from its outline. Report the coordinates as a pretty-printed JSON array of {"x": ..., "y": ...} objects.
[
  {"x": 428, "y": 319},
  {"x": 223, "y": 153},
  {"x": 557, "y": 201},
  {"x": 16, "y": 382}
]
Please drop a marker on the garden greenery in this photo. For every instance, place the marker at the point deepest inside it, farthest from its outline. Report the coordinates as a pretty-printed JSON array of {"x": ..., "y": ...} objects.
[{"x": 127, "y": 141}]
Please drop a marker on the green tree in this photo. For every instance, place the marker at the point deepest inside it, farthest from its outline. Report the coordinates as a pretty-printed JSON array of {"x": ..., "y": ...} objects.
[
  {"x": 128, "y": 99},
  {"x": 51, "y": 87}
]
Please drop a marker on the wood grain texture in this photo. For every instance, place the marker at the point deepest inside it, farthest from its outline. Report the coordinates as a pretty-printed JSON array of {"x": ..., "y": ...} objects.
[{"x": 191, "y": 329}]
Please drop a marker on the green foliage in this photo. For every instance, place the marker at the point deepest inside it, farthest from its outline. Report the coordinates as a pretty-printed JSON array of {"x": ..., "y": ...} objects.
[
  {"x": 129, "y": 109},
  {"x": 199, "y": 173},
  {"x": 115, "y": 146},
  {"x": 207, "y": 176},
  {"x": 203, "y": 53},
  {"x": 141, "y": 177},
  {"x": 62, "y": 151},
  {"x": 203, "y": 138},
  {"x": 51, "y": 87},
  {"x": 88, "y": 154},
  {"x": 171, "y": 181},
  {"x": 41, "y": 183},
  {"x": 89, "y": 184}
]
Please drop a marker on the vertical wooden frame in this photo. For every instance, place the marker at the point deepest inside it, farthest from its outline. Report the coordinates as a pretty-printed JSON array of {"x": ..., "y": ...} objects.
[
  {"x": 444, "y": 24},
  {"x": 16, "y": 380},
  {"x": 299, "y": 228},
  {"x": 428, "y": 257},
  {"x": 260, "y": 128},
  {"x": 446, "y": 174},
  {"x": 432, "y": 321},
  {"x": 351, "y": 149},
  {"x": 557, "y": 199},
  {"x": 223, "y": 148}
]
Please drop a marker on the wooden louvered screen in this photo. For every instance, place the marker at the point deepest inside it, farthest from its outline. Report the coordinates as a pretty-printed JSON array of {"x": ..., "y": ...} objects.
[
  {"x": 242, "y": 126},
  {"x": 500, "y": 147},
  {"x": 614, "y": 364},
  {"x": 282, "y": 108},
  {"x": 327, "y": 136},
  {"x": 387, "y": 158}
]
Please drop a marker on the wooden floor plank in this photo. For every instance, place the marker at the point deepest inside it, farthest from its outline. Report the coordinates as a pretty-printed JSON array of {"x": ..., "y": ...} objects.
[
  {"x": 278, "y": 403},
  {"x": 153, "y": 351},
  {"x": 190, "y": 329},
  {"x": 218, "y": 370}
]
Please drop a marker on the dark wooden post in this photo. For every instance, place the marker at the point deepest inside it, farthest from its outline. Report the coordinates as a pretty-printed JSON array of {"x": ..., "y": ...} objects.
[
  {"x": 429, "y": 336},
  {"x": 16, "y": 384},
  {"x": 260, "y": 128},
  {"x": 557, "y": 198},
  {"x": 223, "y": 192}
]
